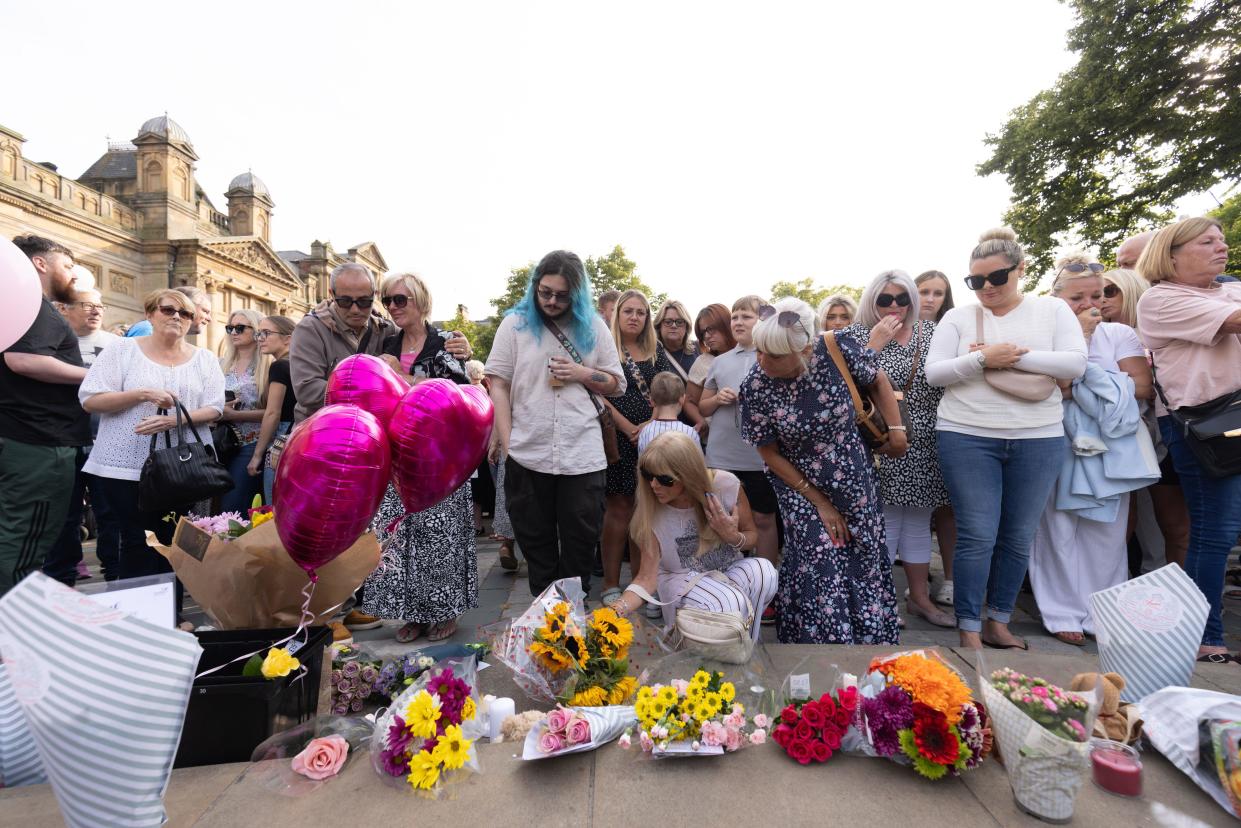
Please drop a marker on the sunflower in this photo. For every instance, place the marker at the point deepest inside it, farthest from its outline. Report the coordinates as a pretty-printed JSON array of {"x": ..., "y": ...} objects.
[
  {"x": 549, "y": 655},
  {"x": 554, "y": 621},
  {"x": 626, "y": 686},
  {"x": 590, "y": 697},
  {"x": 612, "y": 632},
  {"x": 575, "y": 646}
]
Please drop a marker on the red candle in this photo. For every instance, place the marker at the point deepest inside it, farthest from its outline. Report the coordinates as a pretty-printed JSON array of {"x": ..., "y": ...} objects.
[{"x": 1116, "y": 768}]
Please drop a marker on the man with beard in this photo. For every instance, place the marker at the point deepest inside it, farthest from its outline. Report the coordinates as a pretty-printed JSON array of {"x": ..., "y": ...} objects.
[
  {"x": 41, "y": 423},
  {"x": 551, "y": 355}
]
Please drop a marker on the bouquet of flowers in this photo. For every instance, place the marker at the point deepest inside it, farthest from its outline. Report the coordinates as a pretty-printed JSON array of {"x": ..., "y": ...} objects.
[
  {"x": 1199, "y": 731},
  {"x": 429, "y": 732},
  {"x": 229, "y": 526},
  {"x": 1043, "y": 734},
  {"x": 559, "y": 654},
  {"x": 696, "y": 717},
  {"x": 917, "y": 710},
  {"x": 360, "y": 677},
  {"x": 813, "y": 731},
  {"x": 575, "y": 729}
]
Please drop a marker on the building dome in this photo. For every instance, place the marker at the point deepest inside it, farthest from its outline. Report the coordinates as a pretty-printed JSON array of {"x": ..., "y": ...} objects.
[
  {"x": 166, "y": 128},
  {"x": 249, "y": 182}
]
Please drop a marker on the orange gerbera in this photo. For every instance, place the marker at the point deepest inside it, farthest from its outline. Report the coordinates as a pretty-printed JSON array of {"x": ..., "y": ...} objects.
[{"x": 928, "y": 681}]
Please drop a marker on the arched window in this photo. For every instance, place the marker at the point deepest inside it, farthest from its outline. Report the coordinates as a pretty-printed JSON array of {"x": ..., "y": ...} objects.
[
  {"x": 8, "y": 162},
  {"x": 240, "y": 223},
  {"x": 182, "y": 184},
  {"x": 154, "y": 177}
]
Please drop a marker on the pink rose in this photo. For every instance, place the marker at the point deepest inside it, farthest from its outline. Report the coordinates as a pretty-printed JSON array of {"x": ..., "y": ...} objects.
[
  {"x": 578, "y": 731},
  {"x": 551, "y": 742},
  {"x": 758, "y": 737},
  {"x": 761, "y": 720},
  {"x": 557, "y": 720},
  {"x": 322, "y": 758}
]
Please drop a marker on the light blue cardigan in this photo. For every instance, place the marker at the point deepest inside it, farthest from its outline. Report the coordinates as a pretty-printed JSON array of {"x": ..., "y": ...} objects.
[{"x": 1106, "y": 457}]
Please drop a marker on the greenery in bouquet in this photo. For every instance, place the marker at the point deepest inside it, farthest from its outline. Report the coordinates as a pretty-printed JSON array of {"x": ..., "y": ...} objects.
[
  {"x": 702, "y": 710},
  {"x": 595, "y": 658},
  {"x": 426, "y": 739},
  {"x": 1055, "y": 709},
  {"x": 917, "y": 708}
]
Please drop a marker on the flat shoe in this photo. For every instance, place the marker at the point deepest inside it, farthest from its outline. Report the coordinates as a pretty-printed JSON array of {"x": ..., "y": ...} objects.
[
  {"x": 1219, "y": 658},
  {"x": 441, "y": 631},
  {"x": 995, "y": 645},
  {"x": 508, "y": 560},
  {"x": 1067, "y": 638},
  {"x": 939, "y": 619},
  {"x": 610, "y": 596}
]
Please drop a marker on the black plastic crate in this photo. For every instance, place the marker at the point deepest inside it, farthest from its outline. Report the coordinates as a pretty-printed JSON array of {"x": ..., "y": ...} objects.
[{"x": 230, "y": 714}]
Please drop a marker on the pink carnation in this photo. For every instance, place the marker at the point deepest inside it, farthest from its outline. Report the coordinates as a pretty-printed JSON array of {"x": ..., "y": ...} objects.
[
  {"x": 645, "y": 741},
  {"x": 732, "y": 739},
  {"x": 713, "y": 734},
  {"x": 735, "y": 719},
  {"x": 761, "y": 720},
  {"x": 681, "y": 686},
  {"x": 758, "y": 737}
]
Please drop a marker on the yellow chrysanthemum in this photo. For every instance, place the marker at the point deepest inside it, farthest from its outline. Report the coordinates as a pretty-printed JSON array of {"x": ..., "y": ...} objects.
[
  {"x": 714, "y": 700},
  {"x": 452, "y": 749},
  {"x": 468, "y": 710},
  {"x": 659, "y": 708},
  {"x": 278, "y": 663},
  {"x": 424, "y": 770},
  {"x": 727, "y": 691},
  {"x": 667, "y": 695},
  {"x": 423, "y": 714},
  {"x": 700, "y": 679},
  {"x": 645, "y": 692},
  {"x": 549, "y": 656},
  {"x": 590, "y": 697}
]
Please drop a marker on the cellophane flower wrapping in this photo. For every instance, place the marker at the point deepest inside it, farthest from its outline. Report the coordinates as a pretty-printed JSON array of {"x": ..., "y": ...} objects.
[
  {"x": 273, "y": 766},
  {"x": 606, "y": 724},
  {"x": 374, "y": 674},
  {"x": 1184, "y": 724},
  {"x": 1045, "y": 769},
  {"x": 429, "y": 735}
]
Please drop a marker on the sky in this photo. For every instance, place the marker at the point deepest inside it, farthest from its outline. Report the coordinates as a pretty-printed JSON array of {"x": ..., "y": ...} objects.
[{"x": 724, "y": 145}]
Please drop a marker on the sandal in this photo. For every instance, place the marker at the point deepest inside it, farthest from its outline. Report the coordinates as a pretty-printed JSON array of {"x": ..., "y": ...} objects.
[
  {"x": 610, "y": 596},
  {"x": 409, "y": 632},
  {"x": 1077, "y": 639},
  {"x": 1218, "y": 658},
  {"x": 439, "y": 632},
  {"x": 995, "y": 645}
]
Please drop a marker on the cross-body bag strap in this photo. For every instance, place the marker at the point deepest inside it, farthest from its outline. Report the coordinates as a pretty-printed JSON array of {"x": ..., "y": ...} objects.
[
  {"x": 637, "y": 589},
  {"x": 636, "y": 374},
  {"x": 568, "y": 346},
  {"x": 1159, "y": 391},
  {"x": 833, "y": 350},
  {"x": 366, "y": 337},
  {"x": 676, "y": 366}
]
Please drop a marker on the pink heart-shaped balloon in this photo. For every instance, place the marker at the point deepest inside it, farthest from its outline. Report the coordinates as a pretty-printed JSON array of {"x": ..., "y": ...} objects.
[
  {"x": 23, "y": 293},
  {"x": 332, "y": 476},
  {"x": 439, "y": 435},
  {"x": 368, "y": 383}
]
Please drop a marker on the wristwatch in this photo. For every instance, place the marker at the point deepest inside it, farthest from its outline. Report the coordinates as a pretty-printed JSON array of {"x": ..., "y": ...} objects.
[{"x": 982, "y": 359}]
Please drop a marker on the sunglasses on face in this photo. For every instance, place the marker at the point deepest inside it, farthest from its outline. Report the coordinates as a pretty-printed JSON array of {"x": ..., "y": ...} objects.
[
  {"x": 995, "y": 278},
  {"x": 347, "y": 302},
  {"x": 233, "y": 329},
  {"x": 1111, "y": 291},
  {"x": 397, "y": 300},
  {"x": 549, "y": 295},
  {"x": 169, "y": 310},
  {"x": 786, "y": 319},
  {"x": 664, "y": 480},
  {"x": 885, "y": 300},
  {"x": 1078, "y": 267}
]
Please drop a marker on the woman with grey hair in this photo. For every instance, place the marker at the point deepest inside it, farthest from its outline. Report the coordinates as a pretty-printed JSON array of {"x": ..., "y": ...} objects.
[
  {"x": 912, "y": 486},
  {"x": 796, "y": 408}
]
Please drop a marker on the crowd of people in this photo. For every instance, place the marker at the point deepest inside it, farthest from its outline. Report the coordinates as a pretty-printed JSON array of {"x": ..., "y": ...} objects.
[{"x": 720, "y": 453}]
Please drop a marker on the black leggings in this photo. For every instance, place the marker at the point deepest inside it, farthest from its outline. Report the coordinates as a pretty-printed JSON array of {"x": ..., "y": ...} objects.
[{"x": 138, "y": 559}]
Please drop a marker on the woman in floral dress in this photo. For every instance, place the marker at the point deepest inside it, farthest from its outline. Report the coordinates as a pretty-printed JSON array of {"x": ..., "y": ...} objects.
[{"x": 835, "y": 579}]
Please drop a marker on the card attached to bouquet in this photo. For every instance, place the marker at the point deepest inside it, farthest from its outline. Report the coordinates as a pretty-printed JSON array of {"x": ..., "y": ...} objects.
[{"x": 682, "y": 749}]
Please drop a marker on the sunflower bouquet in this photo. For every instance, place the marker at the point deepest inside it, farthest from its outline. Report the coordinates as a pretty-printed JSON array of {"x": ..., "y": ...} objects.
[
  {"x": 697, "y": 717},
  {"x": 917, "y": 710},
  {"x": 429, "y": 733}
]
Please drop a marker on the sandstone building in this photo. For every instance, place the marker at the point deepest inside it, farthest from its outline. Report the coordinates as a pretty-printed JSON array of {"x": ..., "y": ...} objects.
[{"x": 138, "y": 220}]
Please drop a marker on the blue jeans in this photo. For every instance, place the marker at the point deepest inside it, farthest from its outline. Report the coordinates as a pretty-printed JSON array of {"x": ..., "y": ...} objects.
[
  {"x": 245, "y": 487},
  {"x": 1214, "y": 525},
  {"x": 999, "y": 489},
  {"x": 269, "y": 474}
]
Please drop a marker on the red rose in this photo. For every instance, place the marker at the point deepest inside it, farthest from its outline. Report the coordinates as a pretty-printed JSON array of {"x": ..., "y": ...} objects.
[
  {"x": 803, "y": 731},
  {"x": 782, "y": 735},
  {"x": 801, "y": 751},
  {"x": 789, "y": 715},
  {"x": 847, "y": 698},
  {"x": 814, "y": 715},
  {"x": 821, "y": 752},
  {"x": 828, "y": 705},
  {"x": 842, "y": 717},
  {"x": 831, "y": 737}
]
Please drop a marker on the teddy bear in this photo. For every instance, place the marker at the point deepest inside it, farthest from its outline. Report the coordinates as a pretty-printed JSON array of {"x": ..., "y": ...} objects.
[{"x": 1117, "y": 720}]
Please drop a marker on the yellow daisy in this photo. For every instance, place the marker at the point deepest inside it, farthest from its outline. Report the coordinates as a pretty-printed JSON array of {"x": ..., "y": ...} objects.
[
  {"x": 645, "y": 692},
  {"x": 422, "y": 715},
  {"x": 727, "y": 691},
  {"x": 424, "y": 771},
  {"x": 468, "y": 710},
  {"x": 453, "y": 748}
]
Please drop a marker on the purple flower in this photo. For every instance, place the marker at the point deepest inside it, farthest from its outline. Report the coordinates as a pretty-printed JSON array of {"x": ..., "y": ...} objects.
[
  {"x": 395, "y": 762},
  {"x": 340, "y": 709},
  {"x": 356, "y": 706},
  {"x": 399, "y": 736},
  {"x": 369, "y": 674},
  {"x": 351, "y": 670},
  {"x": 886, "y": 715}
]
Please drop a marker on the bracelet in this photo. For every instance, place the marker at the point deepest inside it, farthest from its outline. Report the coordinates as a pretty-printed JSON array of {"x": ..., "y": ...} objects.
[
  {"x": 897, "y": 428},
  {"x": 801, "y": 487},
  {"x": 739, "y": 543}
]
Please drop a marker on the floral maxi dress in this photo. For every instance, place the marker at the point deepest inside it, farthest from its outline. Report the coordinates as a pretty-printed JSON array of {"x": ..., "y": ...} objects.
[{"x": 828, "y": 595}]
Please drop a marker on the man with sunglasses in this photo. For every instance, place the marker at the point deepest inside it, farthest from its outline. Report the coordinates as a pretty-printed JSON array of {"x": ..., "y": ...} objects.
[
  {"x": 347, "y": 323},
  {"x": 551, "y": 354}
]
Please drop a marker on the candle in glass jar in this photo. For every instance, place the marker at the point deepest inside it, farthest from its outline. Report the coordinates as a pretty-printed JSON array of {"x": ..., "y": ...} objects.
[{"x": 1116, "y": 768}]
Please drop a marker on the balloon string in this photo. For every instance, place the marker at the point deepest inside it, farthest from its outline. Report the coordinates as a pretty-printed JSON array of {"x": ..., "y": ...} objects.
[{"x": 396, "y": 521}]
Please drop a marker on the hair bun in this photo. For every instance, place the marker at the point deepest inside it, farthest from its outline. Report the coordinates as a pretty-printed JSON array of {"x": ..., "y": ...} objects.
[{"x": 1001, "y": 233}]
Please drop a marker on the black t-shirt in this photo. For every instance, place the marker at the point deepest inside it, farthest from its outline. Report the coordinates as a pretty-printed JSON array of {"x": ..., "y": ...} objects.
[
  {"x": 43, "y": 413},
  {"x": 279, "y": 372}
]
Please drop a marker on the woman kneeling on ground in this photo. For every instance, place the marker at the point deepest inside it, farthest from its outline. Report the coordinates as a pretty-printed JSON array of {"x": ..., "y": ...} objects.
[{"x": 692, "y": 525}]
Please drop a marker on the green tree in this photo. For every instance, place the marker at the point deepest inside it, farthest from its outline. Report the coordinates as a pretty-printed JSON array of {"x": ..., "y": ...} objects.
[
  {"x": 616, "y": 271},
  {"x": 1229, "y": 215},
  {"x": 810, "y": 293},
  {"x": 479, "y": 333},
  {"x": 1149, "y": 114}
]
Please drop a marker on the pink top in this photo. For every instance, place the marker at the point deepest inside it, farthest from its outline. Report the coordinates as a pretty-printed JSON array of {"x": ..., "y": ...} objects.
[
  {"x": 1194, "y": 362},
  {"x": 407, "y": 360}
]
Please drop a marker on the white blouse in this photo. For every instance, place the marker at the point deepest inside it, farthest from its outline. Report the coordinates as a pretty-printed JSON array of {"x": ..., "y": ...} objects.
[{"x": 118, "y": 452}]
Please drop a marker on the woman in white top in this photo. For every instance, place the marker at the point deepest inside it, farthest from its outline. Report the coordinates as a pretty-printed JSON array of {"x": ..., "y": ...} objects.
[
  {"x": 127, "y": 384},
  {"x": 245, "y": 368},
  {"x": 692, "y": 525},
  {"x": 999, "y": 453},
  {"x": 1073, "y": 556}
]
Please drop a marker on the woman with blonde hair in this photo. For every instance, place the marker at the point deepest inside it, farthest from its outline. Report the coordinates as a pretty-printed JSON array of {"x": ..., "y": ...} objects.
[
  {"x": 1121, "y": 291},
  {"x": 642, "y": 357},
  {"x": 836, "y": 312},
  {"x": 692, "y": 525},
  {"x": 672, "y": 327},
  {"x": 274, "y": 335},
  {"x": 245, "y": 368}
]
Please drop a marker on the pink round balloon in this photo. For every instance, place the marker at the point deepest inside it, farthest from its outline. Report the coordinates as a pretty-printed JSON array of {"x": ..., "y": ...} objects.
[
  {"x": 368, "y": 383},
  {"x": 439, "y": 435},
  {"x": 23, "y": 293},
  {"x": 330, "y": 481}
]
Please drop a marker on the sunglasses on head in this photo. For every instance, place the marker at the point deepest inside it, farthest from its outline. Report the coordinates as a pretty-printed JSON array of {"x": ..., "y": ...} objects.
[
  {"x": 347, "y": 302},
  {"x": 995, "y": 278},
  {"x": 236, "y": 329},
  {"x": 785, "y": 319},
  {"x": 169, "y": 310},
  {"x": 885, "y": 300},
  {"x": 397, "y": 300},
  {"x": 664, "y": 480},
  {"x": 1111, "y": 291},
  {"x": 1078, "y": 267}
]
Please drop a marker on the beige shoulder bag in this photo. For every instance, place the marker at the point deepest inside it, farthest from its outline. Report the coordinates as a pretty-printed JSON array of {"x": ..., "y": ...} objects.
[{"x": 1024, "y": 385}]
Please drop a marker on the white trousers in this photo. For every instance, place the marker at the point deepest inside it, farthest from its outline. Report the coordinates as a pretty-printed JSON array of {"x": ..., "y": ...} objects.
[
  {"x": 754, "y": 579},
  {"x": 909, "y": 533},
  {"x": 1073, "y": 557}
]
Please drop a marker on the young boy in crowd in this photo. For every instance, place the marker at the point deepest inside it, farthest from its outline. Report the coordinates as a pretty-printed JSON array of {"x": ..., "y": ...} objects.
[{"x": 667, "y": 397}]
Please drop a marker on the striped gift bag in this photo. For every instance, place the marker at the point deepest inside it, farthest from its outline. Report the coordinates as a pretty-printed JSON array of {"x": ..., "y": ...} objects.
[
  {"x": 606, "y": 724},
  {"x": 1149, "y": 630},
  {"x": 104, "y": 694},
  {"x": 19, "y": 759}
]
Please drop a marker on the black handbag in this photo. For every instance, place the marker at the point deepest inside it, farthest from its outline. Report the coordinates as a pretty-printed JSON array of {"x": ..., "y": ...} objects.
[
  {"x": 1212, "y": 431},
  {"x": 178, "y": 475},
  {"x": 227, "y": 442}
]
